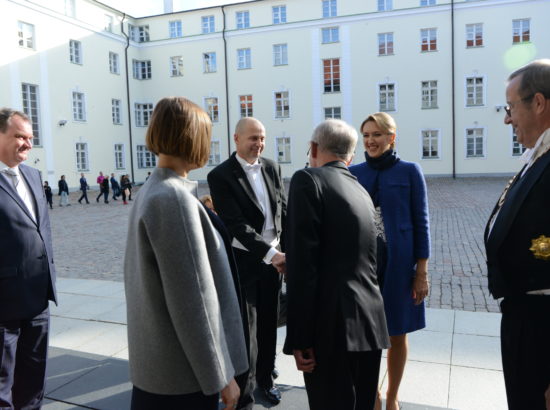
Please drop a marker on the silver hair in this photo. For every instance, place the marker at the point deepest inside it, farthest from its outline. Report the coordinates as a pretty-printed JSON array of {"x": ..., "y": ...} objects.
[
  {"x": 336, "y": 137},
  {"x": 535, "y": 78}
]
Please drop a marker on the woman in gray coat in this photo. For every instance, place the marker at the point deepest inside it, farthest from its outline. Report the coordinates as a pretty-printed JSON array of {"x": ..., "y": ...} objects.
[{"x": 185, "y": 334}]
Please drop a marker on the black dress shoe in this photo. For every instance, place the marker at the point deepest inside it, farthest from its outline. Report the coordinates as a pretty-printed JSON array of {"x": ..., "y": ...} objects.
[
  {"x": 272, "y": 394},
  {"x": 275, "y": 374}
]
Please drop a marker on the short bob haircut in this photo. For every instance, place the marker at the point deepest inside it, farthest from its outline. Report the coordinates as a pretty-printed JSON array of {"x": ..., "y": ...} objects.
[
  {"x": 180, "y": 128},
  {"x": 385, "y": 122}
]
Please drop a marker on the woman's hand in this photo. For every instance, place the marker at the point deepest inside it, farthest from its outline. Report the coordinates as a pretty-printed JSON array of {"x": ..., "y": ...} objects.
[
  {"x": 421, "y": 285},
  {"x": 230, "y": 395}
]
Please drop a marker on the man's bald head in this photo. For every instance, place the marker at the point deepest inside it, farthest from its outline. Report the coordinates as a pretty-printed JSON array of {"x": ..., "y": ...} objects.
[{"x": 249, "y": 139}]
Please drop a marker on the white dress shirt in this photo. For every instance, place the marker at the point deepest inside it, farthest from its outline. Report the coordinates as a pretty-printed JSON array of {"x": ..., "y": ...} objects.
[{"x": 14, "y": 177}]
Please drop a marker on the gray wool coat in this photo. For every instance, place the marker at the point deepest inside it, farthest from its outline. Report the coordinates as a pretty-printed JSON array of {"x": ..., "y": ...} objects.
[{"x": 185, "y": 331}]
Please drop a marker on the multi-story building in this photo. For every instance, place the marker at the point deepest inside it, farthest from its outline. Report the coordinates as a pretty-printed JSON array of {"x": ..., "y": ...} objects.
[{"x": 89, "y": 76}]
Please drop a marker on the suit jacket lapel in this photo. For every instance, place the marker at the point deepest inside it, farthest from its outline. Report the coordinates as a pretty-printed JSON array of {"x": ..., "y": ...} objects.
[
  {"x": 10, "y": 190},
  {"x": 33, "y": 185},
  {"x": 242, "y": 179},
  {"x": 269, "y": 178}
]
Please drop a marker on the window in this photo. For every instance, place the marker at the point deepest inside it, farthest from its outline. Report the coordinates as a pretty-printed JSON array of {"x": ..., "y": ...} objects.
[
  {"x": 31, "y": 108},
  {"x": 517, "y": 148},
  {"x": 474, "y": 142},
  {"x": 114, "y": 66},
  {"x": 146, "y": 159},
  {"x": 207, "y": 24},
  {"x": 283, "y": 149},
  {"x": 333, "y": 112},
  {"x": 245, "y": 102},
  {"x": 176, "y": 66},
  {"x": 385, "y": 44},
  {"x": 280, "y": 54},
  {"x": 142, "y": 69},
  {"x": 211, "y": 107},
  {"x": 385, "y": 5},
  {"x": 430, "y": 144},
  {"x": 329, "y": 8},
  {"x": 143, "y": 114},
  {"x": 428, "y": 39},
  {"x": 429, "y": 94},
  {"x": 427, "y": 3},
  {"x": 243, "y": 58},
  {"x": 215, "y": 157},
  {"x": 70, "y": 9},
  {"x": 119, "y": 156},
  {"x": 521, "y": 31},
  {"x": 25, "y": 33},
  {"x": 474, "y": 35},
  {"x": 279, "y": 14},
  {"x": 330, "y": 35},
  {"x": 243, "y": 19},
  {"x": 115, "y": 111},
  {"x": 282, "y": 104},
  {"x": 139, "y": 34},
  {"x": 331, "y": 75},
  {"x": 108, "y": 23},
  {"x": 75, "y": 52},
  {"x": 474, "y": 91},
  {"x": 386, "y": 97},
  {"x": 209, "y": 62},
  {"x": 82, "y": 163},
  {"x": 175, "y": 29},
  {"x": 79, "y": 106}
]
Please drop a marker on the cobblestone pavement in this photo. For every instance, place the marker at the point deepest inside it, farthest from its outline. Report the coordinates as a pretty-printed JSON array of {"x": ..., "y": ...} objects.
[{"x": 89, "y": 240}]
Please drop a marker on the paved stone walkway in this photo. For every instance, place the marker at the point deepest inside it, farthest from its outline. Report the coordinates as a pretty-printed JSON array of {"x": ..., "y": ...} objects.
[{"x": 89, "y": 240}]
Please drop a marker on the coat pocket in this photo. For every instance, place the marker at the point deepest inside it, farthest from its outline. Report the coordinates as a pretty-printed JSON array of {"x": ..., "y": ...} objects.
[{"x": 8, "y": 272}]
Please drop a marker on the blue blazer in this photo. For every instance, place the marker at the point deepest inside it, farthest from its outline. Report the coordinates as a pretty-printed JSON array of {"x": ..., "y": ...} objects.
[
  {"x": 404, "y": 204},
  {"x": 27, "y": 271}
]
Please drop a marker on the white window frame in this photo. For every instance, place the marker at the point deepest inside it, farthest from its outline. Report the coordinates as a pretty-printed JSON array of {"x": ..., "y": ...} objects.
[
  {"x": 424, "y": 3},
  {"x": 518, "y": 30},
  {"x": 75, "y": 52},
  {"x": 116, "y": 111},
  {"x": 246, "y": 105},
  {"x": 242, "y": 19},
  {"x": 175, "y": 29},
  {"x": 428, "y": 94},
  {"x": 284, "y": 142},
  {"x": 114, "y": 63},
  {"x": 79, "y": 106},
  {"x": 515, "y": 145},
  {"x": 385, "y": 5},
  {"x": 335, "y": 85},
  {"x": 379, "y": 93},
  {"x": 279, "y": 14},
  {"x": 143, "y": 113},
  {"x": 244, "y": 59},
  {"x": 82, "y": 158},
  {"x": 109, "y": 22},
  {"x": 214, "y": 158},
  {"x": 208, "y": 24},
  {"x": 212, "y": 107},
  {"x": 25, "y": 33},
  {"x": 145, "y": 158},
  {"x": 30, "y": 99},
  {"x": 475, "y": 103},
  {"x": 332, "y": 113},
  {"x": 329, "y": 8},
  {"x": 176, "y": 66},
  {"x": 474, "y": 32},
  {"x": 330, "y": 35},
  {"x": 142, "y": 69},
  {"x": 484, "y": 141},
  {"x": 426, "y": 36},
  {"x": 280, "y": 54},
  {"x": 280, "y": 102},
  {"x": 209, "y": 63},
  {"x": 437, "y": 141},
  {"x": 385, "y": 44},
  {"x": 120, "y": 156}
]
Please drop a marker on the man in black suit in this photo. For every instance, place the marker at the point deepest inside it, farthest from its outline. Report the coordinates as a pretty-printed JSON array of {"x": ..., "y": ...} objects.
[
  {"x": 248, "y": 195},
  {"x": 27, "y": 273},
  {"x": 517, "y": 241},
  {"x": 84, "y": 188},
  {"x": 336, "y": 327}
]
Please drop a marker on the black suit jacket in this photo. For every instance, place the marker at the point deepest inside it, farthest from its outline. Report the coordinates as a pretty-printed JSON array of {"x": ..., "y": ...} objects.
[
  {"x": 27, "y": 271},
  {"x": 512, "y": 267},
  {"x": 237, "y": 206},
  {"x": 331, "y": 264}
]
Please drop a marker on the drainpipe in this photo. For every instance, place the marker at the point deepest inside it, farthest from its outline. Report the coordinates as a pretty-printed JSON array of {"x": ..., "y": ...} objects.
[
  {"x": 128, "y": 98},
  {"x": 453, "y": 108},
  {"x": 226, "y": 85}
]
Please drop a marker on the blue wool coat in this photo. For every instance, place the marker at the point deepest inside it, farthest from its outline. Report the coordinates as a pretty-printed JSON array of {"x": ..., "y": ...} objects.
[{"x": 404, "y": 204}]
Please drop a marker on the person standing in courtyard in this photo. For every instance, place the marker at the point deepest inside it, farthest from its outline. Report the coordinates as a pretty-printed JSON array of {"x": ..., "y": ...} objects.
[
  {"x": 398, "y": 191},
  {"x": 49, "y": 194},
  {"x": 27, "y": 270},
  {"x": 336, "y": 328},
  {"x": 63, "y": 192},
  {"x": 115, "y": 187},
  {"x": 248, "y": 192},
  {"x": 84, "y": 188},
  {"x": 105, "y": 190},
  {"x": 99, "y": 181},
  {"x": 517, "y": 242}
]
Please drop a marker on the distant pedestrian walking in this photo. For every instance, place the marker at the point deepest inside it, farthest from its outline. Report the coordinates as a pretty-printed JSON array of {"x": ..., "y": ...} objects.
[
  {"x": 105, "y": 190},
  {"x": 84, "y": 188},
  {"x": 48, "y": 193},
  {"x": 115, "y": 186},
  {"x": 126, "y": 187},
  {"x": 63, "y": 192},
  {"x": 99, "y": 181}
]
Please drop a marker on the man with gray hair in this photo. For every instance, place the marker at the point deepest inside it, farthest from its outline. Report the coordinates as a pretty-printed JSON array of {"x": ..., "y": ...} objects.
[
  {"x": 336, "y": 327},
  {"x": 517, "y": 241}
]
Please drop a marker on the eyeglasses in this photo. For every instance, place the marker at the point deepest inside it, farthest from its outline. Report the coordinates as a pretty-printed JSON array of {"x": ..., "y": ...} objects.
[{"x": 508, "y": 108}]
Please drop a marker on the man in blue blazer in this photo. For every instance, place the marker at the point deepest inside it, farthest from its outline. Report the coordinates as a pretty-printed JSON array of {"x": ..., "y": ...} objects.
[{"x": 27, "y": 273}]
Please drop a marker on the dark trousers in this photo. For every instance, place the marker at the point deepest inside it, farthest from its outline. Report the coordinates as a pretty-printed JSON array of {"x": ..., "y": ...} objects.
[
  {"x": 23, "y": 355},
  {"x": 84, "y": 196},
  {"x": 49, "y": 199},
  {"x": 105, "y": 196},
  {"x": 142, "y": 400},
  {"x": 525, "y": 341},
  {"x": 99, "y": 195}
]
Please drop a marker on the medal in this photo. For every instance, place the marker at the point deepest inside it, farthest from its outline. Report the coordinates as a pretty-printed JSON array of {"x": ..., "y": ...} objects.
[{"x": 541, "y": 248}]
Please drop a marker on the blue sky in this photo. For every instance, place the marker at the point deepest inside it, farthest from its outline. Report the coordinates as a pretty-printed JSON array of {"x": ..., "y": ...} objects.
[{"x": 139, "y": 8}]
